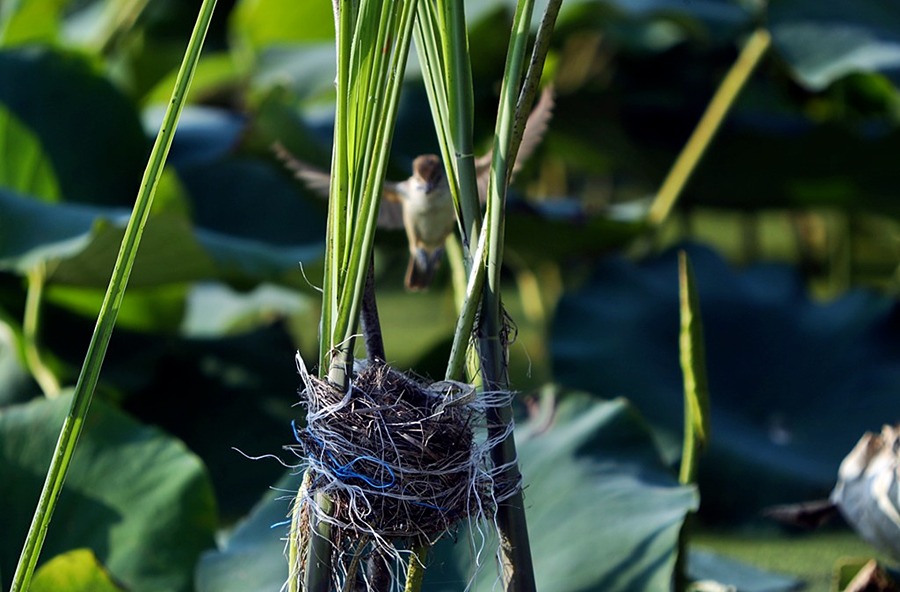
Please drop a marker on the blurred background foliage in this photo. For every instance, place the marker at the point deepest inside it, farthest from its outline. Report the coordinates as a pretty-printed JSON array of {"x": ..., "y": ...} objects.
[{"x": 793, "y": 219}]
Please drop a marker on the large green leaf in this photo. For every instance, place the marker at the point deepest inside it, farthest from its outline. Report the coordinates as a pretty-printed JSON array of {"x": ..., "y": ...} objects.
[
  {"x": 823, "y": 41},
  {"x": 23, "y": 164},
  {"x": 16, "y": 383},
  {"x": 89, "y": 131},
  {"x": 806, "y": 166},
  {"x": 234, "y": 397},
  {"x": 820, "y": 41},
  {"x": 215, "y": 310},
  {"x": 215, "y": 74},
  {"x": 793, "y": 383},
  {"x": 32, "y": 21},
  {"x": 261, "y": 23},
  {"x": 74, "y": 571},
  {"x": 252, "y": 557},
  {"x": 136, "y": 497},
  {"x": 87, "y": 239},
  {"x": 706, "y": 566},
  {"x": 34, "y": 231},
  {"x": 83, "y": 240},
  {"x": 603, "y": 512}
]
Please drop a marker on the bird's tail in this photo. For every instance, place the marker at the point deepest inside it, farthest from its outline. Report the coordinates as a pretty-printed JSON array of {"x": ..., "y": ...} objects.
[{"x": 421, "y": 269}]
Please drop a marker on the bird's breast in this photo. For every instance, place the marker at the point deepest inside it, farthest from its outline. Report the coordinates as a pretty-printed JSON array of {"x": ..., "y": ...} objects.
[{"x": 430, "y": 216}]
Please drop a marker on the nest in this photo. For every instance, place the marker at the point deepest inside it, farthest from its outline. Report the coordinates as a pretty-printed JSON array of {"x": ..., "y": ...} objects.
[
  {"x": 398, "y": 457},
  {"x": 402, "y": 462}
]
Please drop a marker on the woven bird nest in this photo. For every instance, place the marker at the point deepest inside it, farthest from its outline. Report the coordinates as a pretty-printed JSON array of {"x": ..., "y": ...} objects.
[{"x": 397, "y": 457}]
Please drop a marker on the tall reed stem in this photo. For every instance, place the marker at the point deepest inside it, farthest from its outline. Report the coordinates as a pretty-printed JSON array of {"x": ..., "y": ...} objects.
[
  {"x": 709, "y": 124},
  {"x": 109, "y": 310}
]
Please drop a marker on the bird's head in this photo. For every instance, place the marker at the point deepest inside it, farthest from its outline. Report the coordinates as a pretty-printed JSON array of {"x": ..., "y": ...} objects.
[{"x": 428, "y": 171}]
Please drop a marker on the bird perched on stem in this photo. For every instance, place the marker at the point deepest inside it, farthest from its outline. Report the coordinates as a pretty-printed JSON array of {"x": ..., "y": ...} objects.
[{"x": 423, "y": 204}]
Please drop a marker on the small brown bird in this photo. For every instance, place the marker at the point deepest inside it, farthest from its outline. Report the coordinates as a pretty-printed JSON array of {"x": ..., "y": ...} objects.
[{"x": 423, "y": 204}]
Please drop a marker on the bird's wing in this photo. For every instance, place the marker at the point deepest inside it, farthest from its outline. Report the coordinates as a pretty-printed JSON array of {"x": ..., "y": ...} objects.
[
  {"x": 314, "y": 178},
  {"x": 535, "y": 128},
  {"x": 390, "y": 215}
]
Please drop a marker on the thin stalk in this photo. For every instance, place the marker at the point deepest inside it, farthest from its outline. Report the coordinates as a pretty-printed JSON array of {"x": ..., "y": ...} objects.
[
  {"x": 333, "y": 359},
  {"x": 353, "y": 568},
  {"x": 533, "y": 74},
  {"x": 109, "y": 309},
  {"x": 45, "y": 378},
  {"x": 372, "y": 45},
  {"x": 317, "y": 577},
  {"x": 456, "y": 364},
  {"x": 443, "y": 55},
  {"x": 415, "y": 570},
  {"x": 458, "y": 84},
  {"x": 297, "y": 541},
  {"x": 477, "y": 269},
  {"x": 371, "y": 325},
  {"x": 340, "y": 190},
  {"x": 696, "y": 399},
  {"x": 458, "y": 275},
  {"x": 693, "y": 368},
  {"x": 361, "y": 251},
  {"x": 709, "y": 124},
  {"x": 428, "y": 49},
  {"x": 515, "y": 550},
  {"x": 378, "y": 572}
]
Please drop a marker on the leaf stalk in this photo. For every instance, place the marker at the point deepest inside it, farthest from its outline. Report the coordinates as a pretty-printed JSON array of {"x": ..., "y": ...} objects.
[
  {"x": 723, "y": 100},
  {"x": 109, "y": 309}
]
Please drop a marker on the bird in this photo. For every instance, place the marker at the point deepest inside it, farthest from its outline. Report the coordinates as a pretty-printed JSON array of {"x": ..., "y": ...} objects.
[{"x": 423, "y": 204}]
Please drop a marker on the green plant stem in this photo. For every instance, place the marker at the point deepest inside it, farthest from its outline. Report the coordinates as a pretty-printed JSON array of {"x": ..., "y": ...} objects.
[
  {"x": 317, "y": 577},
  {"x": 352, "y": 229},
  {"x": 443, "y": 55},
  {"x": 458, "y": 275},
  {"x": 533, "y": 74},
  {"x": 461, "y": 116},
  {"x": 45, "y": 378},
  {"x": 696, "y": 399},
  {"x": 693, "y": 368},
  {"x": 471, "y": 301},
  {"x": 709, "y": 123},
  {"x": 109, "y": 309},
  {"x": 297, "y": 541},
  {"x": 415, "y": 571},
  {"x": 372, "y": 48},
  {"x": 477, "y": 268},
  {"x": 515, "y": 550}
]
